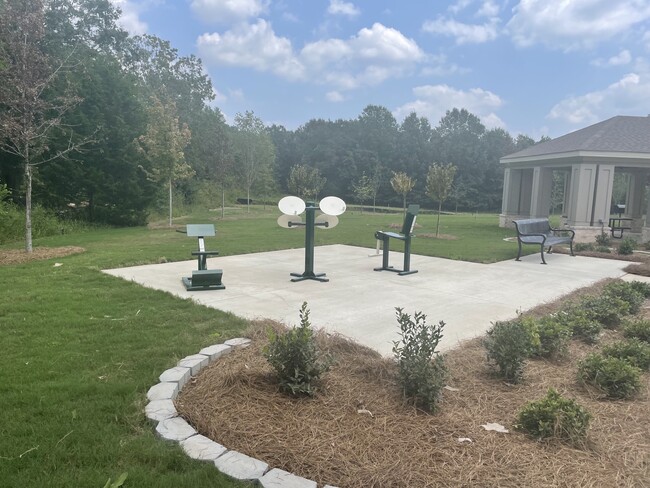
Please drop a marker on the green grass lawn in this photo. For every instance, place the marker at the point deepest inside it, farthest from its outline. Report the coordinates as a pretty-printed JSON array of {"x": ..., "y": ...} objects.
[{"x": 80, "y": 348}]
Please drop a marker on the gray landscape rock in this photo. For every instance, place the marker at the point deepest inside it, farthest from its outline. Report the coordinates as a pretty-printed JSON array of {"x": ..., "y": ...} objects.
[
  {"x": 159, "y": 410},
  {"x": 238, "y": 342},
  {"x": 215, "y": 351},
  {"x": 277, "y": 478},
  {"x": 176, "y": 374},
  {"x": 163, "y": 391},
  {"x": 175, "y": 429},
  {"x": 241, "y": 467},
  {"x": 201, "y": 448},
  {"x": 196, "y": 362}
]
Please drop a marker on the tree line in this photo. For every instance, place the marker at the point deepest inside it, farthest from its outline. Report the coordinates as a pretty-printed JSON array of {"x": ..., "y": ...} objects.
[{"x": 115, "y": 125}]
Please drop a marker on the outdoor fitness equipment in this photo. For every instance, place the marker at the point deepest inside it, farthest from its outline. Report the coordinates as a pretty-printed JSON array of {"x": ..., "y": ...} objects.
[
  {"x": 203, "y": 278},
  {"x": 292, "y": 207},
  {"x": 406, "y": 234}
]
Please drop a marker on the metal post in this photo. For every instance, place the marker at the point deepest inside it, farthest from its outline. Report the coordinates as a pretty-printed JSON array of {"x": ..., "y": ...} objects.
[{"x": 310, "y": 225}]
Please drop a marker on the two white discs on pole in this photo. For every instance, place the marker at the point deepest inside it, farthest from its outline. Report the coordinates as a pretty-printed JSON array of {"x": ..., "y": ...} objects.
[{"x": 292, "y": 207}]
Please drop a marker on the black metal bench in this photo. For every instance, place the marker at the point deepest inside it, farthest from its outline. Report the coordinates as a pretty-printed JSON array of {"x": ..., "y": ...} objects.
[
  {"x": 405, "y": 235},
  {"x": 540, "y": 233},
  {"x": 203, "y": 278},
  {"x": 618, "y": 225}
]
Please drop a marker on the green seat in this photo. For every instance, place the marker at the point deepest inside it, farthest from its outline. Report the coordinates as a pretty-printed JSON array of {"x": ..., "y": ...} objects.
[{"x": 406, "y": 234}]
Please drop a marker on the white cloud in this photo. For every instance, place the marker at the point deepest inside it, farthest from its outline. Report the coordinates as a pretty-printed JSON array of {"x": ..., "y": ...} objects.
[
  {"x": 130, "y": 17},
  {"x": 577, "y": 24},
  {"x": 459, "y": 5},
  {"x": 368, "y": 58},
  {"x": 433, "y": 101},
  {"x": 227, "y": 11},
  {"x": 254, "y": 46},
  {"x": 628, "y": 96},
  {"x": 464, "y": 33},
  {"x": 339, "y": 7},
  {"x": 622, "y": 58},
  {"x": 488, "y": 9},
  {"x": 334, "y": 96}
]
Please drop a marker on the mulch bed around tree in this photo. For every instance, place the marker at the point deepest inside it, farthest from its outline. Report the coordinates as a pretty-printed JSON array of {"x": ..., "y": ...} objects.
[
  {"x": 236, "y": 402},
  {"x": 18, "y": 256}
]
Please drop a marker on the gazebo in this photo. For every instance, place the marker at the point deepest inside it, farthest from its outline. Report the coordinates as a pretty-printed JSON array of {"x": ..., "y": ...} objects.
[{"x": 588, "y": 158}]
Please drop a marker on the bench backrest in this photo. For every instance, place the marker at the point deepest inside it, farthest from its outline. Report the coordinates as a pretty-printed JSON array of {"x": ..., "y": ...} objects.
[
  {"x": 409, "y": 219},
  {"x": 532, "y": 226}
]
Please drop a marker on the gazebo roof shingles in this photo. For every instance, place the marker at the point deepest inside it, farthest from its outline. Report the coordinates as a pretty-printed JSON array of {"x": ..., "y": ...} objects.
[{"x": 619, "y": 134}]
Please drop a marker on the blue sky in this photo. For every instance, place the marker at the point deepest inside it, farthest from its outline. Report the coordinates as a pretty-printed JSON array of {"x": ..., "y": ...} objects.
[{"x": 538, "y": 67}]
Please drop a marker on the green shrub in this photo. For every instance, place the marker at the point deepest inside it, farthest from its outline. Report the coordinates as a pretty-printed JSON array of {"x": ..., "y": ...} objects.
[
  {"x": 627, "y": 292},
  {"x": 606, "y": 309},
  {"x": 295, "y": 357},
  {"x": 421, "y": 368},
  {"x": 603, "y": 249},
  {"x": 582, "y": 326},
  {"x": 639, "y": 329},
  {"x": 554, "y": 416},
  {"x": 642, "y": 287},
  {"x": 613, "y": 376},
  {"x": 583, "y": 246},
  {"x": 509, "y": 344},
  {"x": 603, "y": 240},
  {"x": 627, "y": 246},
  {"x": 554, "y": 337},
  {"x": 634, "y": 351}
]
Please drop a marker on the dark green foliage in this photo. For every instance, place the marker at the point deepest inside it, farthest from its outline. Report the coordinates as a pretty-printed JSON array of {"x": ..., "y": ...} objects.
[
  {"x": 641, "y": 287},
  {"x": 509, "y": 344},
  {"x": 606, "y": 309},
  {"x": 603, "y": 240},
  {"x": 583, "y": 246},
  {"x": 582, "y": 326},
  {"x": 627, "y": 292},
  {"x": 615, "y": 377},
  {"x": 421, "y": 368},
  {"x": 639, "y": 329},
  {"x": 295, "y": 357},
  {"x": 554, "y": 337},
  {"x": 554, "y": 416},
  {"x": 627, "y": 246},
  {"x": 634, "y": 351}
]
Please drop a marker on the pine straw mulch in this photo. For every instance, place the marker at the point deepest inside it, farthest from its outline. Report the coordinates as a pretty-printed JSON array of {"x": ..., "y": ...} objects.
[
  {"x": 236, "y": 402},
  {"x": 19, "y": 256}
]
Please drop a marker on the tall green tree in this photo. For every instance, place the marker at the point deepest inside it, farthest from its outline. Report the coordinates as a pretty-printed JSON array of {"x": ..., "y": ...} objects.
[
  {"x": 440, "y": 180},
  {"x": 254, "y": 152},
  {"x": 163, "y": 144},
  {"x": 402, "y": 184},
  {"x": 305, "y": 182},
  {"x": 30, "y": 115}
]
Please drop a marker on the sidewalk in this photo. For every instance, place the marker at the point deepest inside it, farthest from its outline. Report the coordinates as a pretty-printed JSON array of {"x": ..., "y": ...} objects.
[{"x": 360, "y": 303}]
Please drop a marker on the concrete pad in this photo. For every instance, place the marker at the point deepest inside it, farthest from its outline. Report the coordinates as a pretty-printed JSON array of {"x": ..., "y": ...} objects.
[{"x": 360, "y": 303}]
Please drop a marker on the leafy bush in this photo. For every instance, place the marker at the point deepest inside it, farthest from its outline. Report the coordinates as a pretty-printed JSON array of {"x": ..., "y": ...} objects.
[
  {"x": 295, "y": 357},
  {"x": 603, "y": 239},
  {"x": 634, "y": 351},
  {"x": 639, "y": 329},
  {"x": 554, "y": 337},
  {"x": 509, "y": 344},
  {"x": 606, "y": 309},
  {"x": 582, "y": 326},
  {"x": 421, "y": 368},
  {"x": 627, "y": 292},
  {"x": 583, "y": 246},
  {"x": 642, "y": 287},
  {"x": 627, "y": 246},
  {"x": 603, "y": 249},
  {"x": 615, "y": 377},
  {"x": 554, "y": 416}
]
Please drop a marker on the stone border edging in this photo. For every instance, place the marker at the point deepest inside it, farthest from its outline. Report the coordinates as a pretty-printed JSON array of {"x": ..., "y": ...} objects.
[{"x": 169, "y": 425}]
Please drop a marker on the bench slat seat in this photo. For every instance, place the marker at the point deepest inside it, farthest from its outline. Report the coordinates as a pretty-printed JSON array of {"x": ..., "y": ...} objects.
[{"x": 539, "y": 232}]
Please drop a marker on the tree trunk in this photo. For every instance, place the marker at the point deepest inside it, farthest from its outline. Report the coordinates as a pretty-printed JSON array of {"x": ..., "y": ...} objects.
[
  {"x": 28, "y": 208},
  {"x": 404, "y": 203},
  {"x": 248, "y": 200},
  {"x": 223, "y": 201},
  {"x": 438, "y": 223},
  {"x": 170, "y": 202}
]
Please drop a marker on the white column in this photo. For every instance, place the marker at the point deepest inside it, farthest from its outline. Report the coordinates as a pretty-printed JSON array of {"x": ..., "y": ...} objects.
[
  {"x": 541, "y": 188},
  {"x": 636, "y": 199}
]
